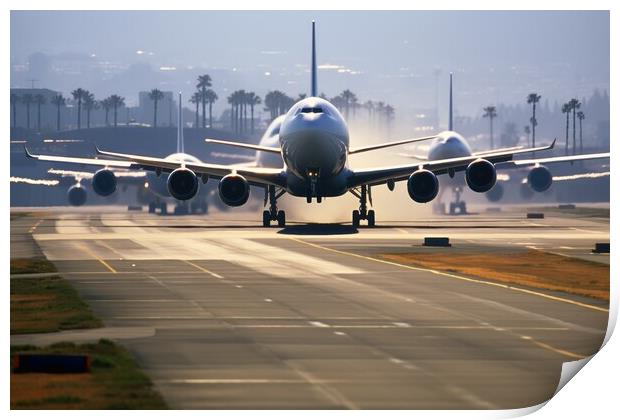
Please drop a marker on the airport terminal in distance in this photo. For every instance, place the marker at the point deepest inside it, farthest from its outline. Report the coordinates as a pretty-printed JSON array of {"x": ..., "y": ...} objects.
[{"x": 266, "y": 268}]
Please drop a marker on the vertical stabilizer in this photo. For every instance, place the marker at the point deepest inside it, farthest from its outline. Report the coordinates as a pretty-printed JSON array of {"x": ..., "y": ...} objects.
[
  {"x": 180, "y": 144},
  {"x": 313, "y": 70},
  {"x": 450, "y": 124}
]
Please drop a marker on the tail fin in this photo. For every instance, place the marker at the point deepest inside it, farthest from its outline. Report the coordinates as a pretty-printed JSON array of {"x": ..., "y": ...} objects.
[
  {"x": 313, "y": 70},
  {"x": 180, "y": 143},
  {"x": 450, "y": 124}
]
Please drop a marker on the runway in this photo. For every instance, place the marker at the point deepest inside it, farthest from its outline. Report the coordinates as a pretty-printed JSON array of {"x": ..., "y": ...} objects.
[{"x": 222, "y": 313}]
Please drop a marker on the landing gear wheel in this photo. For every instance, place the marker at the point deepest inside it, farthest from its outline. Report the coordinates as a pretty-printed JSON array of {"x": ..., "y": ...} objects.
[
  {"x": 463, "y": 207},
  {"x": 152, "y": 207},
  {"x": 356, "y": 218},
  {"x": 281, "y": 218},
  {"x": 371, "y": 218},
  {"x": 163, "y": 208},
  {"x": 266, "y": 218}
]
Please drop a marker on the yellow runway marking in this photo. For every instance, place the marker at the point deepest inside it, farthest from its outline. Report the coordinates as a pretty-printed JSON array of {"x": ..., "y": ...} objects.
[
  {"x": 35, "y": 226},
  {"x": 105, "y": 264},
  {"x": 204, "y": 270},
  {"x": 103, "y": 244},
  {"x": 554, "y": 349},
  {"x": 455, "y": 276}
]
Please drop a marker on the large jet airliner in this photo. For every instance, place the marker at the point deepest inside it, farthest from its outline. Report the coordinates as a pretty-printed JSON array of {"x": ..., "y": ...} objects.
[{"x": 314, "y": 146}]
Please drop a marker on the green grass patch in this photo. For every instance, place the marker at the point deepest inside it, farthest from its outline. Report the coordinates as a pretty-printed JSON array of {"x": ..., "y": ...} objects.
[
  {"x": 114, "y": 382},
  {"x": 31, "y": 266},
  {"x": 48, "y": 304}
]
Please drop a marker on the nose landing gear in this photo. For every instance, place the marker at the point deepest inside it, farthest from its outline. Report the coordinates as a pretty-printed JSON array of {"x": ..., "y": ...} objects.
[
  {"x": 363, "y": 193},
  {"x": 273, "y": 214}
]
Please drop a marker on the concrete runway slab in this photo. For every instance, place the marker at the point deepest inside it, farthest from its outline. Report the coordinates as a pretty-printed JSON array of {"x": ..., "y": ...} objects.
[{"x": 225, "y": 314}]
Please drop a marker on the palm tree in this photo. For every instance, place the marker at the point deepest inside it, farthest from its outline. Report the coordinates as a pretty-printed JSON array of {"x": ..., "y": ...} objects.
[
  {"x": 204, "y": 82},
  {"x": 527, "y": 132},
  {"x": 195, "y": 99},
  {"x": 574, "y": 105},
  {"x": 533, "y": 99},
  {"x": 489, "y": 112},
  {"x": 106, "y": 104},
  {"x": 253, "y": 100},
  {"x": 271, "y": 103},
  {"x": 59, "y": 101},
  {"x": 90, "y": 104},
  {"x": 155, "y": 95},
  {"x": 27, "y": 99},
  {"x": 117, "y": 102},
  {"x": 581, "y": 117},
  {"x": 14, "y": 101},
  {"x": 389, "y": 116},
  {"x": 78, "y": 95},
  {"x": 566, "y": 110},
  {"x": 39, "y": 99},
  {"x": 370, "y": 106},
  {"x": 231, "y": 101},
  {"x": 349, "y": 100},
  {"x": 211, "y": 97}
]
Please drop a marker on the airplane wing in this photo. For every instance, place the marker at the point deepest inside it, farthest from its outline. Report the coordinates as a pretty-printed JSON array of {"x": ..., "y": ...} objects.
[
  {"x": 256, "y": 176},
  {"x": 377, "y": 176},
  {"x": 246, "y": 146},
  {"x": 389, "y": 144},
  {"x": 573, "y": 158}
]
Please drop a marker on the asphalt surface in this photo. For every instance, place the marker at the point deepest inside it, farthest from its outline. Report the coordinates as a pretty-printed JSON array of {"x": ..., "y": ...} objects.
[{"x": 222, "y": 313}]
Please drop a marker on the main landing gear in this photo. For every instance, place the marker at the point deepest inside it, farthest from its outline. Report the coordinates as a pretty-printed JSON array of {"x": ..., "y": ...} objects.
[
  {"x": 363, "y": 193},
  {"x": 273, "y": 214},
  {"x": 458, "y": 206}
]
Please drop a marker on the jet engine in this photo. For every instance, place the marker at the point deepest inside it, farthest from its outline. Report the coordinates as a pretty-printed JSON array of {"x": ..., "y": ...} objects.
[
  {"x": 422, "y": 186},
  {"x": 496, "y": 193},
  {"x": 182, "y": 184},
  {"x": 104, "y": 182},
  {"x": 76, "y": 195},
  {"x": 481, "y": 175},
  {"x": 540, "y": 178},
  {"x": 234, "y": 190}
]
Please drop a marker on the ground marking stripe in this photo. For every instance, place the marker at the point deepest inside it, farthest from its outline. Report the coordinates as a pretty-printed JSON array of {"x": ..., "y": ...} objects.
[
  {"x": 89, "y": 252},
  {"x": 554, "y": 349},
  {"x": 204, "y": 270},
  {"x": 455, "y": 276}
]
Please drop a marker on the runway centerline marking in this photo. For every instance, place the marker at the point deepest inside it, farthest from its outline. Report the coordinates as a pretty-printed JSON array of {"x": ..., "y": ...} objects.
[
  {"x": 455, "y": 276},
  {"x": 103, "y": 244},
  {"x": 204, "y": 270},
  {"x": 95, "y": 256}
]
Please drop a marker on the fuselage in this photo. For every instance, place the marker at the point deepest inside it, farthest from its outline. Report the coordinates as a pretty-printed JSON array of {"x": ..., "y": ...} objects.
[
  {"x": 448, "y": 145},
  {"x": 314, "y": 139}
]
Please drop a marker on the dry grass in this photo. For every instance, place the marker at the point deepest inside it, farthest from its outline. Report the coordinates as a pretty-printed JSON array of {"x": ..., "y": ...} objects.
[
  {"x": 31, "y": 266},
  {"x": 530, "y": 268},
  {"x": 114, "y": 382}
]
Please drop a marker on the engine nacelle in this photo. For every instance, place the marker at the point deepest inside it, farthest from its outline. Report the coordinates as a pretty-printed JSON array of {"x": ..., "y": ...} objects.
[
  {"x": 104, "y": 182},
  {"x": 234, "y": 190},
  {"x": 496, "y": 193},
  {"x": 76, "y": 195},
  {"x": 540, "y": 178},
  {"x": 480, "y": 175},
  {"x": 422, "y": 186},
  {"x": 182, "y": 184}
]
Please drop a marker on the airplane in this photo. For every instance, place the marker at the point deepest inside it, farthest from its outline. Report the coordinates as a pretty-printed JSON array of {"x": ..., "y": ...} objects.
[
  {"x": 450, "y": 144},
  {"x": 314, "y": 146}
]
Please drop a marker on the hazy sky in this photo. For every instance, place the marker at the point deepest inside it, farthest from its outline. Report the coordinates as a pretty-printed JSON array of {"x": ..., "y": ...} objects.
[{"x": 497, "y": 56}]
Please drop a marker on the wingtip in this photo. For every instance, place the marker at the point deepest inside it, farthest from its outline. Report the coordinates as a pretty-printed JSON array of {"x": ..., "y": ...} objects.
[
  {"x": 552, "y": 143},
  {"x": 30, "y": 155}
]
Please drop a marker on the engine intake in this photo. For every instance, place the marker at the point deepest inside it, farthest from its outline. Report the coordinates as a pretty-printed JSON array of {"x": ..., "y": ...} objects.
[
  {"x": 182, "y": 184},
  {"x": 540, "y": 178},
  {"x": 76, "y": 195},
  {"x": 104, "y": 182},
  {"x": 234, "y": 190},
  {"x": 422, "y": 186},
  {"x": 480, "y": 175}
]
